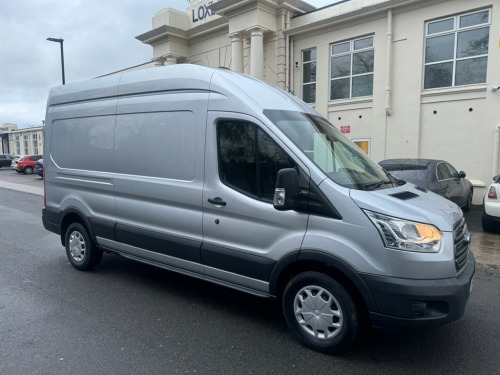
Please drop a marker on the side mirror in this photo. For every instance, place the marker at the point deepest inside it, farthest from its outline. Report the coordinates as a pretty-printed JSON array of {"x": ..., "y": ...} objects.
[
  {"x": 287, "y": 190},
  {"x": 462, "y": 174},
  {"x": 496, "y": 178}
]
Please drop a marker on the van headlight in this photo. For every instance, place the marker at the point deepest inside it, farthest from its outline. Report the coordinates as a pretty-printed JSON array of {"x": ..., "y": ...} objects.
[{"x": 406, "y": 235}]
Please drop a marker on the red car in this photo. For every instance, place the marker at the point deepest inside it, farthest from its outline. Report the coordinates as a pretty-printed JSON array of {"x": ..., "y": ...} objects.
[{"x": 26, "y": 164}]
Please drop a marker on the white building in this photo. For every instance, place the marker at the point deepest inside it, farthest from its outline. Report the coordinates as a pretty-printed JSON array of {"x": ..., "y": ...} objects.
[
  {"x": 402, "y": 78},
  {"x": 16, "y": 141}
]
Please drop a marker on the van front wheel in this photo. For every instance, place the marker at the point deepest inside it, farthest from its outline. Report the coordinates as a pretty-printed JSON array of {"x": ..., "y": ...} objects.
[
  {"x": 81, "y": 252},
  {"x": 320, "y": 312}
]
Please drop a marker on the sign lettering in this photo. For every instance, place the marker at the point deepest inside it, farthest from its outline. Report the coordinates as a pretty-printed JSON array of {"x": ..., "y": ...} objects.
[{"x": 202, "y": 12}]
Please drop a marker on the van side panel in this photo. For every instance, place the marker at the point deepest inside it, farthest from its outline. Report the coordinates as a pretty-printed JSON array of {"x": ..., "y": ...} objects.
[
  {"x": 159, "y": 156},
  {"x": 79, "y": 162},
  {"x": 84, "y": 143}
]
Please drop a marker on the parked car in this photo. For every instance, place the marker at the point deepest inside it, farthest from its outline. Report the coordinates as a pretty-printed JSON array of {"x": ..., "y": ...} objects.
[
  {"x": 13, "y": 165},
  {"x": 437, "y": 176},
  {"x": 26, "y": 164},
  {"x": 491, "y": 206},
  {"x": 6, "y": 160},
  {"x": 39, "y": 167}
]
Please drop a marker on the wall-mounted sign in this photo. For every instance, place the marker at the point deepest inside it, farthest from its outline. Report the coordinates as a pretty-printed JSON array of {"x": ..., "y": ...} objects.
[
  {"x": 345, "y": 129},
  {"x": 199, "y": 13}
]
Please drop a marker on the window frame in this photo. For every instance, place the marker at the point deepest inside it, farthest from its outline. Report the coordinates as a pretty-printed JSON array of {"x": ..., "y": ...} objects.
[
  {"x": 367, "y": 140},
  {"x": 256, "y": 130},
  {"x": 302, "y": 73},
  {"x": 454, "y": 31},
  {"x": 34, "y": 139},
  {"x": 447, "y": 166},
  {"x": 18, "y": 144},
  {"x": 351, "y": 53},
  {"x": 26, "y": 140}
]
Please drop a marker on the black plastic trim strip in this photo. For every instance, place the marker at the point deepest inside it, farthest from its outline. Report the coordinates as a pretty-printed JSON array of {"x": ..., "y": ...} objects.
[
  {"x": 102, "y": 228},
  {"x": 158, "y": 242},
  {"x": 237, "y": 262},
  {"x": 51, "y": 219}
]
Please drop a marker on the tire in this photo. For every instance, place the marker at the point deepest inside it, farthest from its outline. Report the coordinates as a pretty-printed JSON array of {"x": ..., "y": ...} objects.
[
  {"x": 320, "y": 312},
  {"x": 28, "y": 170},
  {"x": 487, "y": 224},
  {"x": 468, "y": 205},
  {"x": 81, "y": 251}
]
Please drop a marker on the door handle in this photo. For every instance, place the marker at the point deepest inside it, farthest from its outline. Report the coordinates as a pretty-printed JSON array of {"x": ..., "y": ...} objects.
[{"x": 217, "y": 201}]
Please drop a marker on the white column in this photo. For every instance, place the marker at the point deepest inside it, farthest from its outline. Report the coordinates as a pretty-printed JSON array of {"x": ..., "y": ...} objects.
[
  {"x": 159, "y": 61},
  {"x": 170, "y": 60},
  {"x": 257, "y": 52},
  {"x": 236, "y": 52}
]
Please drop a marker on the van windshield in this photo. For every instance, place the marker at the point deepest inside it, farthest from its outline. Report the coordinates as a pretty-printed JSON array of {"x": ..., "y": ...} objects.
[{"x": 341, "y": 160}]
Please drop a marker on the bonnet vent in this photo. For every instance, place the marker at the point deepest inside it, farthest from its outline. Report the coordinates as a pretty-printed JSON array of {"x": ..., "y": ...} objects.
[{"x": 405, "y": 195}]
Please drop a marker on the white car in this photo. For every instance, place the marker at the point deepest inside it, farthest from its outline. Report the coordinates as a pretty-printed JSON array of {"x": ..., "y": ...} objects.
[
  {"x": 13, "y": 165},
  {"x": 491, "y": 207}
]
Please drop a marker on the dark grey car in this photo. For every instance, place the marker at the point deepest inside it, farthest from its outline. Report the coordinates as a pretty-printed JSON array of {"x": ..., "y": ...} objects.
[
  {"x": 437, "y": 176},
  {"x": 6, "y": 160}
]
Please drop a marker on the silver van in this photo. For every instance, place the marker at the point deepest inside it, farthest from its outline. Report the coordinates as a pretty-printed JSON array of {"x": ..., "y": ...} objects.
[{"x": 237, "y": 182}]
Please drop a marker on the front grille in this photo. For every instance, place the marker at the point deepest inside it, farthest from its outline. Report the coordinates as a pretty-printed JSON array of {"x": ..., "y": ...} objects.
[{"x": 461, "y": 244}]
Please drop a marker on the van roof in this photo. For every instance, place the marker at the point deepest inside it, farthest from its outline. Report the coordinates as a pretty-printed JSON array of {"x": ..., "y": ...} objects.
[{"x": 246, "y": 93}]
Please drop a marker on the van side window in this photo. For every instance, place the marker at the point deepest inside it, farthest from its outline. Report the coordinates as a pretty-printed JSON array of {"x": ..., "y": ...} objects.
[{"x": 249, "y": 160}]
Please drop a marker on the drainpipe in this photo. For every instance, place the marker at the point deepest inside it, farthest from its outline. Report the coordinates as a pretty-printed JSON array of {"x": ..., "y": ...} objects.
[
  {"x": 287, "y": 52},
  {"x": 291, "y": 67},
  {"x": 496, "y": 150},
  {"x": 388, "y": 71}
]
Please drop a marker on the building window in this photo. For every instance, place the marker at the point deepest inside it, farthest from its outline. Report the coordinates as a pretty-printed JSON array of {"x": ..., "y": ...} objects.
[
  {"x": 26, "y": 144},
  {"x": 35, "y": 143},
  {"x": 351, "y": 69},
  {"x": 309, "y": 75},
  {"x": 456, "y": 50},
  {"x": 18, "y": 145},
  {"x": 363, "y": 144}
]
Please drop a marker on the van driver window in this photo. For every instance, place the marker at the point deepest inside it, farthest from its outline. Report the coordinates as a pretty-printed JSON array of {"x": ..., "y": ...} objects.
[{"x": 249, "y": 160}]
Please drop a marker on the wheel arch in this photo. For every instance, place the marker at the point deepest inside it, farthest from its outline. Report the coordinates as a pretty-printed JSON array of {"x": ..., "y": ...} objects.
[
  {"x": 313, "y": 260},
  {"x": 72, "y": 215}
]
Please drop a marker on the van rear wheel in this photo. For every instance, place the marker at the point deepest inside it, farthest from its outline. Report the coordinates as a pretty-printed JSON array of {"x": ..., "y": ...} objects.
[
  {"x": 320, "y": 312},
  {"x": 81, "y": 251}
]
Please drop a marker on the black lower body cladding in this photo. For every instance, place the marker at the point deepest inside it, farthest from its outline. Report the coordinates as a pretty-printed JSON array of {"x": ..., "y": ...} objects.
[{"x": 411, "y": 303}]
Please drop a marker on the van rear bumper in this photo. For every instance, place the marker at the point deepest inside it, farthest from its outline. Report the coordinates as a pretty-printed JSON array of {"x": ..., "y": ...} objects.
[
  {"x": 51, "y": 219},
  {"x": 409, "y": 302}
]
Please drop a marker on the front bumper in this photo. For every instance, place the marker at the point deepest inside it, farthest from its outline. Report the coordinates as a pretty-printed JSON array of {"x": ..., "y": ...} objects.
[{"x": 410, "y": 302}]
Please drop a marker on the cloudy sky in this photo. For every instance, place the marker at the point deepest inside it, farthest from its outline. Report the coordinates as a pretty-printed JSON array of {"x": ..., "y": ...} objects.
[{"x": 99, "y": 38}]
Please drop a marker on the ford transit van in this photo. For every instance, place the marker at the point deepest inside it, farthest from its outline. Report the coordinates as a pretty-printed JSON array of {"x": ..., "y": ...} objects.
[{"x": 237, "y": 182}]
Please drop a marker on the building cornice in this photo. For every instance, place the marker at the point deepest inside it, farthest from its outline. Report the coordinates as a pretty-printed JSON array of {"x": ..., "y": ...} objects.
[
  {"x": 229, "y": 7},
  {"x": 166, "y": 32},
  {"x": 341, "y": 12}
]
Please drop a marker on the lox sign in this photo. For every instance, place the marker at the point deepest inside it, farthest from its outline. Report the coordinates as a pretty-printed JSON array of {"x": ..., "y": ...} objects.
[{"x": 199, "y": 13}]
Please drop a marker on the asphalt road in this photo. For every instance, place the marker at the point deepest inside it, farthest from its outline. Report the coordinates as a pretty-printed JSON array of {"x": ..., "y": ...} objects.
[{"x": 130, "y": 318}]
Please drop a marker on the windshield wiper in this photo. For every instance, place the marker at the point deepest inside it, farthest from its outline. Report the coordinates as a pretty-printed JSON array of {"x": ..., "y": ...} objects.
[
  {"x": 376, "y": 185},
  {"x": 399, "y": 182}
]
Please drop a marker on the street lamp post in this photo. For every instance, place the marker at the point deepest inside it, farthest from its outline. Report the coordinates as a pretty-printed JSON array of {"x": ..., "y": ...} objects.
[{"x": 60, "y": 41}]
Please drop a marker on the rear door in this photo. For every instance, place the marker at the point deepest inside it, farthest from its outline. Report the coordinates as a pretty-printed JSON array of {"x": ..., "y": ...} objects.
[{"x": 243, "y": 235}]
